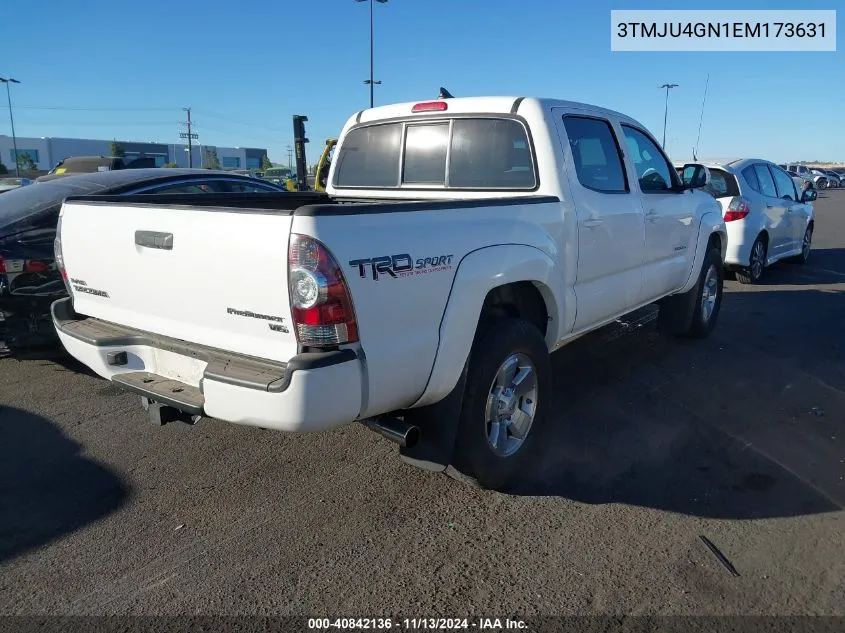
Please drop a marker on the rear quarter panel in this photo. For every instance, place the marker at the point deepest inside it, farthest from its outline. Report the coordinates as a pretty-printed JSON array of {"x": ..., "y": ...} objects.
[{"x": 399, "y": 317}]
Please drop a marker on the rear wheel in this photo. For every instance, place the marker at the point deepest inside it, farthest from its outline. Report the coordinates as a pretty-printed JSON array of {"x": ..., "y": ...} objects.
[
  {"x": 505, "y": 408},
  {"x": 756, "y": 263},
  {"x": 806, "y": 247}
]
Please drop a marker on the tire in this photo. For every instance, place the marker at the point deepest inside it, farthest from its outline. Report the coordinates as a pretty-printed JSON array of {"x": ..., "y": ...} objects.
[
  {"x": 752, "y": 273},
  {"x": 481, "y": 447},
  {"x": 806, "y": 247},
  {"x": 694, "y": 314}
]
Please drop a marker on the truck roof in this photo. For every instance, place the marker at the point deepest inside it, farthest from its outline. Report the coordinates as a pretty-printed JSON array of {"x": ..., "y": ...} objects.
[{"x": 493, "y": 104}]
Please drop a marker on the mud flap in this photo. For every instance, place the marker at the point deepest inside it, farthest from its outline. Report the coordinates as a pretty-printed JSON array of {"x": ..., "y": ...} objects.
[
  {"x": 676, "y": 312},
  {"x": 438, "y": 424}
]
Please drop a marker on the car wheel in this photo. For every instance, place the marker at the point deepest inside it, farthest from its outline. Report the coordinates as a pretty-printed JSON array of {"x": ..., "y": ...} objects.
[
  {"x": 756, "y": 263},
  {"x": 806, "y": 247},
  {"x": 506, "y": 402},
  {"x": 694, "y": 313}
]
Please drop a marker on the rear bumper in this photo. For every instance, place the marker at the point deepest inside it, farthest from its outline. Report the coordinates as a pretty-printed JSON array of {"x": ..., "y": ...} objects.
[
  {"x": 311, "y": 392},
  {"x": 741, "y": 236}
]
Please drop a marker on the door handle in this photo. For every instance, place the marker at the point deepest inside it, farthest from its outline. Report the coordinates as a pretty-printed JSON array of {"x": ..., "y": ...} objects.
[
  {"x": 154, "y": 239},
  {"x": 593, "y": 223}
]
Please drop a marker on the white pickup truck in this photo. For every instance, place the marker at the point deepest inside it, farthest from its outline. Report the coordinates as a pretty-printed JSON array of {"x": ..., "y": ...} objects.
[{"x": 460, "y": 241}]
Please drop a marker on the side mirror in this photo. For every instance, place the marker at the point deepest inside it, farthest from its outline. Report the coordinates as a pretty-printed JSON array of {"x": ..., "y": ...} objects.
[
  {"x": 809, "y": 195},
  {"x": 695, "y": 176}
]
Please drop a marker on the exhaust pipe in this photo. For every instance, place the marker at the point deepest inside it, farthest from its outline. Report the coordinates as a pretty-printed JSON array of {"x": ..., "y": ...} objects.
[{"x": 396, "y": 430}]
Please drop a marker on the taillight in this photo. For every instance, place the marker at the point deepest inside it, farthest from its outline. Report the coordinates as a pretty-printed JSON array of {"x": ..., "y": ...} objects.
[
  {"x": 35, "y": 266},
  {"x": 738, "y": 209},
  {"x": 319, "y": 297},
  {"x": 2, "y": 265},
  {"x": 430, "y": 106},
  {"x": 57, "y": 254}
]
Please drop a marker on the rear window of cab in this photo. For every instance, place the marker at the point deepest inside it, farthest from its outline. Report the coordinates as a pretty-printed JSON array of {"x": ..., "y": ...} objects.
[
  {"x": 722, "y": 184},
  {"x": 460, "y": 153}
]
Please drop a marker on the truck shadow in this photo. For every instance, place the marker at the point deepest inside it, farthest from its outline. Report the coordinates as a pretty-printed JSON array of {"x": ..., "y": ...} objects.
[
  {"x": 725, "y": 428},
  {"x": 47, "y": 489},
  {"x": 825, "y": 266},
  {"x": 52, "y": 353}
]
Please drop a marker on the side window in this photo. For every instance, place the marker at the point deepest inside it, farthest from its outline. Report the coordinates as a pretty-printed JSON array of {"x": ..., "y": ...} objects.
[
  {"x": 425, "y": 154},
  {"x": 238, "y": 186},
  {"x": 653, "y": 170},
  {"x": 369, "y": 157},
  {"x": 490, "y": 154},
  {"x": 185, "y": 187},
  {"x": 785, "y": 185},
  {"x": 596, "y": 154},
  {"x": 751, "y": 178},
  {"x": 767, "y": 183}
]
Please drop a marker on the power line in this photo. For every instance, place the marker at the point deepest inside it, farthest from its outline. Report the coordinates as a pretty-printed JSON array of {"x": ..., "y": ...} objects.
[
  {"x": 263, "y": 139},
  {"x": 76, "y": 109},
  {"x": 85, "y": 124},
  {"x": 206, "y": 113},
  {"x": 701, "y": 119},
  {"x": 229, "y": 119}
]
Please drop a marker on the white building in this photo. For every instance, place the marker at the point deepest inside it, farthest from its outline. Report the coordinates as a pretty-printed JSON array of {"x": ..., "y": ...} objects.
[{"x": 46, "y": 152}]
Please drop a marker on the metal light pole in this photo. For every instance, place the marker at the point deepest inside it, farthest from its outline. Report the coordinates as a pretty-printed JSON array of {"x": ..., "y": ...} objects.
[
  {"x": 8, "y": 81},
  {"x": 371, "y": 81},
  {"x": 666, "y": 110}
]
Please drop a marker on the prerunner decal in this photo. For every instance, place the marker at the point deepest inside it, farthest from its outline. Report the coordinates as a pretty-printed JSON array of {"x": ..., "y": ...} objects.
[{"x": 275, "y": 321}]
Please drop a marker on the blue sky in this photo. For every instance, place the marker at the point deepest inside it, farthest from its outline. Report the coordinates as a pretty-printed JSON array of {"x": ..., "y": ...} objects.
[{"x": 97, "y": 69}]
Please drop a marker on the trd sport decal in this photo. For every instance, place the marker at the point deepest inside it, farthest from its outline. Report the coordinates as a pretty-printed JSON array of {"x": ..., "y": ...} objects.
[{"x": 401, "y": 265}]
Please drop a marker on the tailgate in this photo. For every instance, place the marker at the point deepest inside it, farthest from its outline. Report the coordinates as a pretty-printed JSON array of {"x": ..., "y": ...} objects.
[{"x": 207, "y": 275}]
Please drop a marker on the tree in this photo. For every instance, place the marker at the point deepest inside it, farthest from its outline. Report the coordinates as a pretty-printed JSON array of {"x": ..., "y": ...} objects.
[
  {"x": 170, "y": 165},
  {"x": 265, "y": 162},
  {"x": 117, "y": 150},
  {"x": 211, "y": 160},
  {"x": 25, "y": 162}
]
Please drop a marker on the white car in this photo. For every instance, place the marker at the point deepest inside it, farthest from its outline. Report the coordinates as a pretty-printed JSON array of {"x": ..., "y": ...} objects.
[
  {"x": 420, "y": 296},
  {"x": 767, "y": 216}
]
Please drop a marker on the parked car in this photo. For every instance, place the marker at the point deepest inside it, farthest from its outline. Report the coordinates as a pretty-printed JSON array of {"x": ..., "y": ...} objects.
[
  {"x": 802, "y": 182},
  {"x": 833, "y": 179},
  {"x": 819, "y": 180},
  {"x": 7, "y": 184},
  {"x": 29, "y": 280},
  {"x": 768, "y": 217},
  {"x": 91, "y": 164},
  {"x": 401, "y": 286}
]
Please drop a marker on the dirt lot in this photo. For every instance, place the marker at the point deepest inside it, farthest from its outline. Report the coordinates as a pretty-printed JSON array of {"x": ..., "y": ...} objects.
[{"x": 740, "y": 439}]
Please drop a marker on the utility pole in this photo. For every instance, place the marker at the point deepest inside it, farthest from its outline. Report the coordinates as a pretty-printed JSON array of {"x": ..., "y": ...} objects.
[
  {"x": 290, "y": 158},
  {"x": 7, "y": 81},
  {"x": 666, "y": 110},
  {"x": 190, "y": 138},
  {"x": 371, "y": 81}
]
